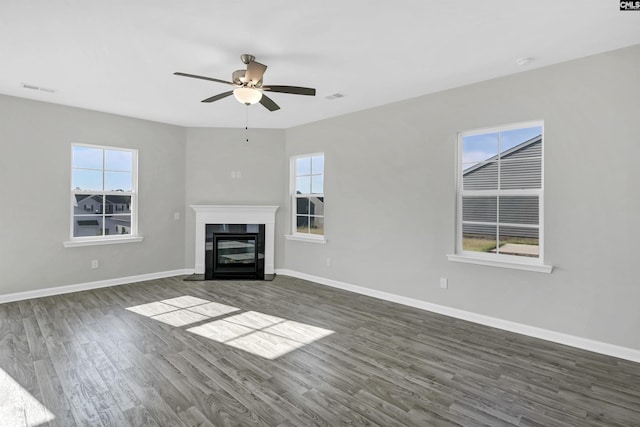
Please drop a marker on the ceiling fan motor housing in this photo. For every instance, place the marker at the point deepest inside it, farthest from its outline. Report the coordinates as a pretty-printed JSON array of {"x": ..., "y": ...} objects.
[{"x": 238, "y": 77}]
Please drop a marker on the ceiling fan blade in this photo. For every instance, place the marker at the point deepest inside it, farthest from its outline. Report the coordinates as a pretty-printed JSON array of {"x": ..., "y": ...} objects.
[
  {"x": 255, "y": 71},
  {"x": 202, "y": 77},
  {"x": 218, "y": 96},
  {"x": 268, "y": 103},
  {"x": 296, "y": 90}
]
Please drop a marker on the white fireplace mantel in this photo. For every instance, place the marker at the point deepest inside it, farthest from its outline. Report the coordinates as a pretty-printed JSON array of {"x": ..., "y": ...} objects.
[{"x": 236, "y": 214}]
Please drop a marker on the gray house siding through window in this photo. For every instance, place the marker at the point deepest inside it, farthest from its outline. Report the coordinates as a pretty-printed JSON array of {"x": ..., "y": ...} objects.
[
  {"x": 519, "y": 168},
  {"x": 88, "y": 215}
]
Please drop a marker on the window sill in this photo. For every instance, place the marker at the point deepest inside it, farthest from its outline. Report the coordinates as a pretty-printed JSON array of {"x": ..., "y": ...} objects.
[
  {"x": 320, "y": 240},
  {"x": 540, "y": 268},
  {"x": 104, "y": 241}
]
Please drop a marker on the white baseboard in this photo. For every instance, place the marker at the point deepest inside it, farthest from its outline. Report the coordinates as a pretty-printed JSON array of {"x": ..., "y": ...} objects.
[
  {"x": 39, "y": 293},
  {"x": 520, "y": 328}
]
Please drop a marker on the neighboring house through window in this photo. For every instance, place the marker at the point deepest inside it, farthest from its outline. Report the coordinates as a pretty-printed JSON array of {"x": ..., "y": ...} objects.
[
  {"x": 103, "y": 192},
  {"x": 499, "y": 196},
  {"x": 307, "y": 184}
]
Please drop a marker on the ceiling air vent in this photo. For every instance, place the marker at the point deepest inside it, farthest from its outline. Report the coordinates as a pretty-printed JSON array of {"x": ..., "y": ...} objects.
[
  {"x": 41, "y": 89},
  {"x": 335, "y": 96}
]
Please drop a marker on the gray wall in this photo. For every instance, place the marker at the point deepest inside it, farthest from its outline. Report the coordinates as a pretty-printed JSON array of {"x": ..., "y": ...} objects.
[
  {"x": 390, "y": 198},
  {"x": 211, "y": 157},
  {"x": 36, "y": 139}
]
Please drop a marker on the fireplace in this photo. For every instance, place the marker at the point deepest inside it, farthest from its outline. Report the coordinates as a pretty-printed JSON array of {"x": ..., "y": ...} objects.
[
  {"x": 234, "y": 251},
  {"x": 244, "y": 237}
]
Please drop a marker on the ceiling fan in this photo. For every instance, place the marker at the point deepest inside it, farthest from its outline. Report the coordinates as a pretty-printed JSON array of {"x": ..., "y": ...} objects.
[{"x": 249, "y": 89}]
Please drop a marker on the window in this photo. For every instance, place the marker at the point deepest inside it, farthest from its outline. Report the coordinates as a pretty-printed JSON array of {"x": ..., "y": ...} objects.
[
  {"x": 307, "y": 184},
  {"x": 499, "y": 196},
  {"x": 103, "y": 193}
]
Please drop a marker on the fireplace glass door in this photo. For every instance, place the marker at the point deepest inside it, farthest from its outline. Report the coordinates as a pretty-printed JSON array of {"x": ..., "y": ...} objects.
[{"x": 236, "y": 254}]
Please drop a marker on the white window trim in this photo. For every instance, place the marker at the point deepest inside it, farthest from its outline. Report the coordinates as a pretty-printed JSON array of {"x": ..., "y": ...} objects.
[
  {"x": 106, "y": 241},
  {"x": 500, "y": 260},
  {"x": 133, "y": 237},
  {"x": 302, "y": 237}
]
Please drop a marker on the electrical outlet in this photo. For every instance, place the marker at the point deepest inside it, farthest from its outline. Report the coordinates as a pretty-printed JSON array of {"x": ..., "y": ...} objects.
[
  {"x": 444, "y": 283},
  {"x": 95, "y": 263},
  {"x": 176, "y": 216},
  {"x": 328, "y": 262}
]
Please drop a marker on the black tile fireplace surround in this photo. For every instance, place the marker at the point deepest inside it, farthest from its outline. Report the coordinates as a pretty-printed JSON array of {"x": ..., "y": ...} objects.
[{"x": 234, "y": 251}]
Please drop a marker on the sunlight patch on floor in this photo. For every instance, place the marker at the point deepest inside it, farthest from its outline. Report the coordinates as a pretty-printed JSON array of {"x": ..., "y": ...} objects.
[
  {"x": 182, "y": 311},
  {"x": 18, "y": 407},
  {"x": 258, "y": 333},
  {"x": 261, "y": 334}
]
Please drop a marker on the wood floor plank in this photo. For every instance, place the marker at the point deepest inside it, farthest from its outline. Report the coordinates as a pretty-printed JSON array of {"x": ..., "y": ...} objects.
[
  {"x": 16, "y": 355},
  {"x": 145, "y": 376},
  {"x": 53, "y": 396},
  {"x": 37, "y": 348},
  {"x": 80, "y": 396},
  {"x": 10, "y": 310},
  {"x": 193, "y": 417},
  {"x": 342, "y": 414},
  {"x": 138, "y": 416},
  {"x": 87, "y": 359},
  {"x": 153, "y": 403},
  {"x": 222, "y": 409},
  {"x": 96, "y": 388},
  {"x": 245, "y": 398}
]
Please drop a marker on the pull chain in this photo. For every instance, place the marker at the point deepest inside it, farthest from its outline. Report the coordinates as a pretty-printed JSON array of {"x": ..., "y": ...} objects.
[{"x": 246, "y": 125}]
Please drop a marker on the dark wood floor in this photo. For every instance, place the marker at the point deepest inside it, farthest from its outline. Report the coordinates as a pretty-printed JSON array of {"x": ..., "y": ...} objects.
[{"x": 85, "y": 359}]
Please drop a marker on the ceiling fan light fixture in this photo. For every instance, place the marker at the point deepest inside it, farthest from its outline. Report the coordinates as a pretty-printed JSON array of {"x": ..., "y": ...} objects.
[{"x": 247, "y": 95}]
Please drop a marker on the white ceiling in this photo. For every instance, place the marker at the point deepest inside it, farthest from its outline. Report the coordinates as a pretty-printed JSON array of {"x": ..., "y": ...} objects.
[{"x": 119, "y": 56}]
